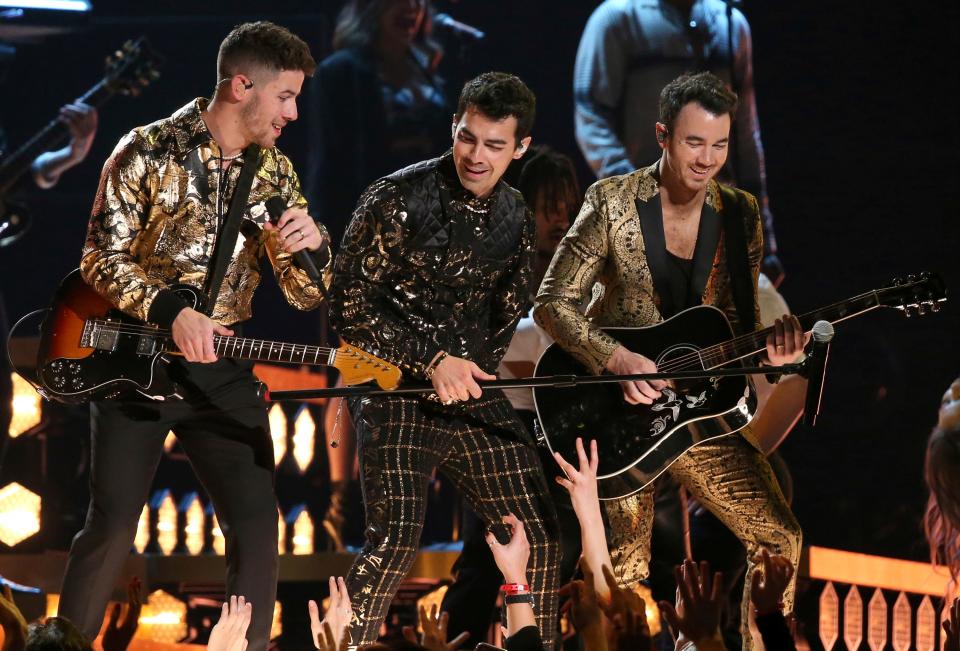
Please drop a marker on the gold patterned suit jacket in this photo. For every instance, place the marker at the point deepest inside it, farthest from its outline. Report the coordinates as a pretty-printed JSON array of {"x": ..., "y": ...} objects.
[
  {"x": 155, "y": 221},
  {"x": 603, "y": 260}
]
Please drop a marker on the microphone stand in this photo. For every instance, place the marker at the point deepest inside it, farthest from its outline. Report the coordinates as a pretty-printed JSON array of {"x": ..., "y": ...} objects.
[{"x": 549, "y": 381}]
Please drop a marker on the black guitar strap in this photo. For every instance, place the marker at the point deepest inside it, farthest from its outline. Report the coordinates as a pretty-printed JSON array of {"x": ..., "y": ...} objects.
[
  {"x": 230, "y": 228},
  {"x": 738, "y": 261}
]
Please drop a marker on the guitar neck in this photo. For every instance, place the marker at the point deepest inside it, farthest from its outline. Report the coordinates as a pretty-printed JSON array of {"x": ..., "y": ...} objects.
[
  {"x": 263, "y": 350},
  {"x": 755, "y": 342},
  {"x": 17, "y": 163}
]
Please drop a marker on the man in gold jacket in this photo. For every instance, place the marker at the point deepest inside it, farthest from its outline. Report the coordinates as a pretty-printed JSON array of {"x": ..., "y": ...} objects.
[
  {"x": 163, "y": 198},
  {"x": 646, "y": 246}
]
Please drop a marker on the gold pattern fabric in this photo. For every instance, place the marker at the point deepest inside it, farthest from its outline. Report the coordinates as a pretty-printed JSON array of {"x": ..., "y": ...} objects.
[
  {"x": 156, "y": 216},
  {"x": 603, "y": 259}
]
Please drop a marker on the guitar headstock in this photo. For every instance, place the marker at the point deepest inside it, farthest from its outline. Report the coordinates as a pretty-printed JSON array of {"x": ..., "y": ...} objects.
[
  {"x": 357, "y": 366},
  {"x": 917, "y": 294},
  {"x": 132, "y": 68}
]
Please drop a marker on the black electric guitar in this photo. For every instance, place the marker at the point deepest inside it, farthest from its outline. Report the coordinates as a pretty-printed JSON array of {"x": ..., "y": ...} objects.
[
  {"x": 639, "y": 442},
  {"x": 128, "y": 71},
  {"x": 89, "y": 351}
]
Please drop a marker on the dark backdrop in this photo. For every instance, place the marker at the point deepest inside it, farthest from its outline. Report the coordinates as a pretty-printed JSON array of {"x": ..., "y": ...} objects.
[{"x": 860, "y": 130}]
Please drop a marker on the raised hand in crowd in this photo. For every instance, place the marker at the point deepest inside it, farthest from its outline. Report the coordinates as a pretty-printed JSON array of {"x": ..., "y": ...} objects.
[
  {"x": 230, "y": 632},
  {"x": 627, "y": 613},
  {"x": 581, "y": 483},
  {"x": 695, "y": 619},
  {"x": 768, "y": 585},
  {"x": 434, "y": 635},
  {"x": 585, "y": 611},
  {"x": 119, "y": 632},
  {"x": 512, "y": 560},
  {"x": 337, "y": 618},
  {"x": 951, "y": 628},
  {"x": 12, "y": 621}
]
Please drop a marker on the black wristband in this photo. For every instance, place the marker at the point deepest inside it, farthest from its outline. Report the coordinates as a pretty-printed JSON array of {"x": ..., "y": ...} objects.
[{"x": 165, "y": 307}]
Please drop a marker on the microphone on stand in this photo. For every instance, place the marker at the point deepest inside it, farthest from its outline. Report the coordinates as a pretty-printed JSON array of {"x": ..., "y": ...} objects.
[
  {"x": 275, "y": 207},
  {"x": 815, "y": 370},
  {"x": 455, "y": 27}
]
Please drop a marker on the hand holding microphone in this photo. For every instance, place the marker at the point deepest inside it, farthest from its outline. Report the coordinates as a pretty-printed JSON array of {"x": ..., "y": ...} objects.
[{"x": 298, "y": 234}]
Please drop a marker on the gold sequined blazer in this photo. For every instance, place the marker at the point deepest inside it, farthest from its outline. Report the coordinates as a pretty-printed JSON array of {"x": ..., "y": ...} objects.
[
  {"x": 602, "y": 262},
  {"x": 155, "y": 220}
]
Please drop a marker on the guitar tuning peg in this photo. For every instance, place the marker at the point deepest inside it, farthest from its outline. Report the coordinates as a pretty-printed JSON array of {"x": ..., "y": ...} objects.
[
  {"x": 908, "y": 310},
  {"x": 922, "y": 308},
  {"x": 934, "y": 306}
]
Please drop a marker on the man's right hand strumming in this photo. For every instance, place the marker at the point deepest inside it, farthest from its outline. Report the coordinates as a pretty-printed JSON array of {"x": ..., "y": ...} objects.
[
  {"x": 193, "y": 333},
  {"x": 623, "y": 362},
  {"x": 455, "y": 379}
]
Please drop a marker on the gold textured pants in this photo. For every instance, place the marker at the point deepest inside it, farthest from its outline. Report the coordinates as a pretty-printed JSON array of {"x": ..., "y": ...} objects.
[
  {"x": 734, "y": 481},
  {"x": 493, "y": 464}
]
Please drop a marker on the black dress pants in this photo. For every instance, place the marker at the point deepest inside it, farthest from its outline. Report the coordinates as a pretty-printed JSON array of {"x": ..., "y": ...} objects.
[{"x": 223, "y": 428}]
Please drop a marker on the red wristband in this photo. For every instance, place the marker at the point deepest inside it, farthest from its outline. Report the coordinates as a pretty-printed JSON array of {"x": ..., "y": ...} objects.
[{"x": 515, "y": 588}]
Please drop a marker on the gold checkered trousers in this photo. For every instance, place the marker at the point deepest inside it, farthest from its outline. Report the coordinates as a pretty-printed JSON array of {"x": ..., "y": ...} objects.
[{"x": 486, "y": 451}]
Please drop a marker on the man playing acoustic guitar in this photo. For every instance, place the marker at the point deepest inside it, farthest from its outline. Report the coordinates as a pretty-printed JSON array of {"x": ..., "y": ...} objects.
[
  {"x": 656, "y": 242},
  {"x": 164, "y": 197}
]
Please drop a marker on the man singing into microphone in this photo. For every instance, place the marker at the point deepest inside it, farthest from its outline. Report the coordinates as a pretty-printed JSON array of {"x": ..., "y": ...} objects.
[
  {"x": 164, "y": 196},
  {"x": 656, "y": 240}
]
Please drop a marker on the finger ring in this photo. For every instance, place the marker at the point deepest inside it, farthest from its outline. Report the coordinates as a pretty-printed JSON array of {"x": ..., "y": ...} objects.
[
  {"x": 301, "y": 233},
  {"x": 448, "y": 402},
  {"x": 780, "y": 346}
]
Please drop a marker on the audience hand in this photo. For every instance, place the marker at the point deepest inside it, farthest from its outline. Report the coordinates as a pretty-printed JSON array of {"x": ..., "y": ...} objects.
[
  {"x": 628, "y": 613},
  {"x": 434, "y": 636},
  {"x": 117, "y": 635},
  {"x": 951, "y": 628},
  {"x": 339, "y": 615},
  {"x": 230, "y": 632},
  {"x": 326, "y": 640},
  {"x": 583, "y": 605},
  {"x": 512, "y": 558},
  {"x": 581, "y": 483},
  {"x": 12, "y": 621},
  {"x": 697, "y": 613},
  {"x": 768, "y": 586}
]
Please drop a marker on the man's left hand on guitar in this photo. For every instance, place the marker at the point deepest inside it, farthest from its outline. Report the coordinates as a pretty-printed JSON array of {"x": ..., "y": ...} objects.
[
  {"x": 81, "y": 121},
  {"x": 297, "y": 231},
  {"x": 786, "y": 342}
]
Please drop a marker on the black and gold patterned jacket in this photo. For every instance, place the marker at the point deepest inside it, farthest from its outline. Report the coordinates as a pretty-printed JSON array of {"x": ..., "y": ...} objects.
[
  {"x": 605, "y": 247},
  {"x": 155, "y": 221},
  {"x": 426, "y": 267}
]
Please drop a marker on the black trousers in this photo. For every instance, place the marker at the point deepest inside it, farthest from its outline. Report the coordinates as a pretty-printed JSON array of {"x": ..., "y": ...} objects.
[
  {"x": 470, "y": 600},
  {"x": 223, "y": 429},
  {"x": 490, "y": 457}
]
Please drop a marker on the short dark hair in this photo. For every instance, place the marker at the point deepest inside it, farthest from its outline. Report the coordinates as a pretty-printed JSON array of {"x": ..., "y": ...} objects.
[
  {"x": 266, "y": 45},
  {"x": 56, "y": 634},
  {"x": 549, "y": 175},
  {"x": 703, "y": 88},
  {"x": 499, "y": 95}
]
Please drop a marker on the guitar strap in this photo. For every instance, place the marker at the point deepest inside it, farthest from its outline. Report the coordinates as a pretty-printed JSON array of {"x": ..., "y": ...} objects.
[
  {"x": 738, "y": 262},
  {"x": 230, "y": 228}
]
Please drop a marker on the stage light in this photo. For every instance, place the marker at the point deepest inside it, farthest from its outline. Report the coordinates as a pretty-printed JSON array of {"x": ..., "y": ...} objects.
[
  {"x": 278, "y": 432},
  {"x": 281, "y": 533},
  {"x": 169, "y": 442},
  {"x": 19, "y": 514},
  {"x": 142, "y": 539},
  {"x": 653, "y": 612},
  {"x": 58, "y": 5},
  {"x": 53, "y": 605},
  {"x": 192, "y": 510},
  {"x": 304, "y": 438},
  {"x": 163, "y": 619},
  {"x": 166, "y": 511},
  {"x": 276, "y": 628},
  {"x": 26, "y": 407},
  {"x": 302, "y": 530},
  {"x": 216, "y": 535}
]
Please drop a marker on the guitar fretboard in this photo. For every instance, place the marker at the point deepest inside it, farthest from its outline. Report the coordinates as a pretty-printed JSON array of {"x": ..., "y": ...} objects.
[
  {"x": 104, "y": 334},
  {"x": 753, "y": 343}
]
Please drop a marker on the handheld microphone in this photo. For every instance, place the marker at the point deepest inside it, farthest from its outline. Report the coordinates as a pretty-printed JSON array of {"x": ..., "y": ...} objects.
[
  {"x": 455, "y": 27},
  {"x": 275, "y": 207},
  {"x": 816, "y": 370}
]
